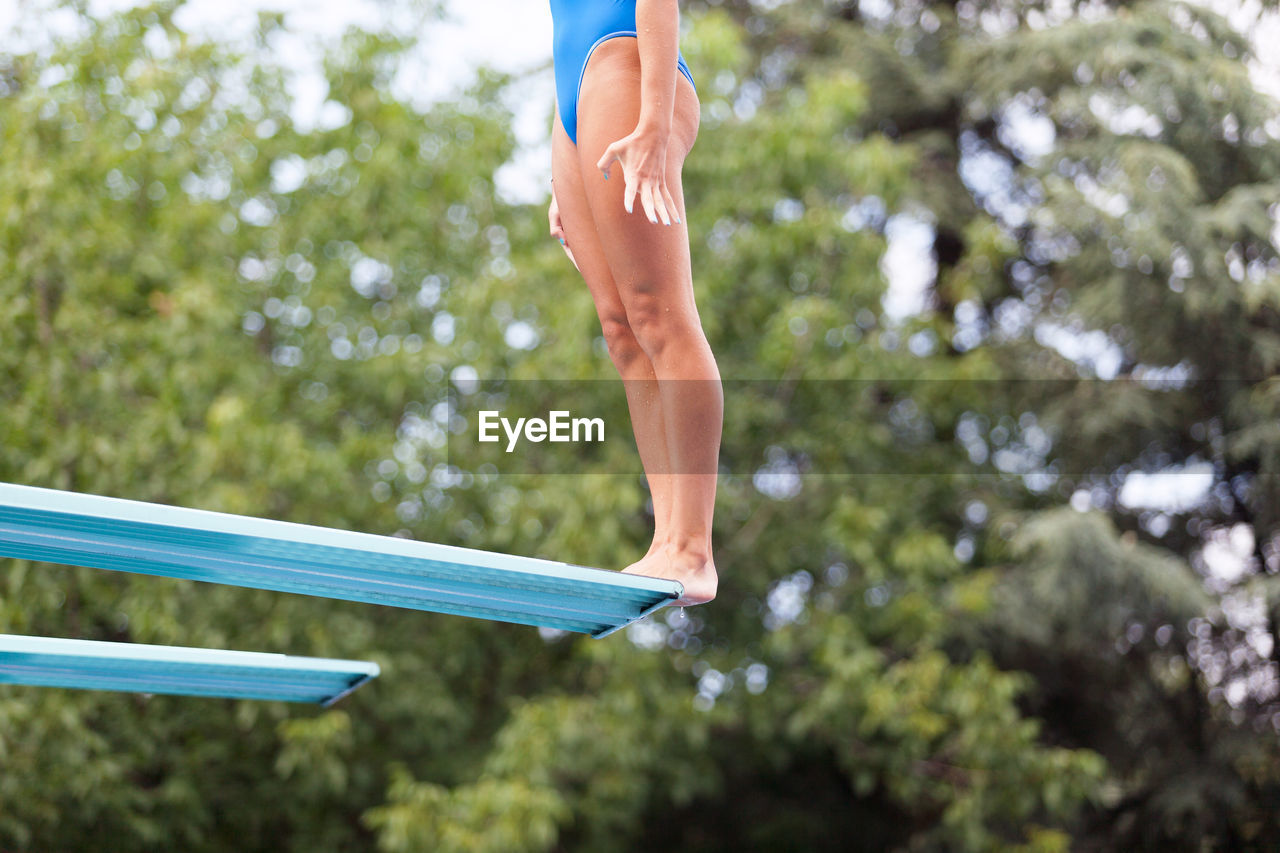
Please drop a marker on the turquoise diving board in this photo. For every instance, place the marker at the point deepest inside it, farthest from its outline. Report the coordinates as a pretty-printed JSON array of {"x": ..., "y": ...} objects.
[
  {"x": 49, "y": 662},
  {"x": 131, "y": 536}
]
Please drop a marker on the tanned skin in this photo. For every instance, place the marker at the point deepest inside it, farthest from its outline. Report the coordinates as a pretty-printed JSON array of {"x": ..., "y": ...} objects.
[{"x": 637, "y": 121}]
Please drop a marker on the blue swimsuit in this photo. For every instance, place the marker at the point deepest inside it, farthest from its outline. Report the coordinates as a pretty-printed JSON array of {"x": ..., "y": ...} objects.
[{"x": 580, "y": 27}]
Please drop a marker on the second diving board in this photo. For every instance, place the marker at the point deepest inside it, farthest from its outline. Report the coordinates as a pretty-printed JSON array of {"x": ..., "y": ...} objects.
[
  {"x": 50, "y": 662},
  {"x": 131, "y": 536}
]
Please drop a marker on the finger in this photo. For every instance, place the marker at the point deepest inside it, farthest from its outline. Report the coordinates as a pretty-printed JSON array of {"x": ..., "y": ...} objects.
[
  {"x": 646, "y": 200},
  {"x": 671, "y": 204},
  {"x": 660, "y": 204},
  {"x": 606, "y": 160},
  {"x": 629, "y": 195}
]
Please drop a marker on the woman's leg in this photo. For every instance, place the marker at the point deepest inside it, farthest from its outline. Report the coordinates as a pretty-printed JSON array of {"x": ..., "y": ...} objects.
[
  {"x": 651, "y": 269},
  {"x": 634, "y": 367}
]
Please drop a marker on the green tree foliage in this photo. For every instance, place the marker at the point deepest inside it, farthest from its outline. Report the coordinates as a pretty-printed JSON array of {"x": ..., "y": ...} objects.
[{"x": 916, "y": 646}]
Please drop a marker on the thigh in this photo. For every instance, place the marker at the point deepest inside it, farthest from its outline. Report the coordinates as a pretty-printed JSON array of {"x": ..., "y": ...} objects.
[
  {"x": 643, "y": 258},
  {"x": 580, "y": 228}
]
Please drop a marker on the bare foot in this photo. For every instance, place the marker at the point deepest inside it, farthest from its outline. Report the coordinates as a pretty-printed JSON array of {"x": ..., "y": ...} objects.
[
  {"x": 649, "y": 564},
  {"x": 693, "y": 569}
]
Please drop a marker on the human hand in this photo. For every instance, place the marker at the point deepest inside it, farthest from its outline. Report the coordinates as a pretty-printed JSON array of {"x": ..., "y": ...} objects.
[
  {"x": 643, "y": 155},
  {"x": 557, "y": 228}
]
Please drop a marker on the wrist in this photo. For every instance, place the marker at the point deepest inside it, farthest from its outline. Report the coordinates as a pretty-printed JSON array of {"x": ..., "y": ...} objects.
[{"x": 654, "y": 125}]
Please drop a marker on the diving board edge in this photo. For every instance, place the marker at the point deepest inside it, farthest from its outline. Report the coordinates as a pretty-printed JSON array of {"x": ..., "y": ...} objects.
[
  {"x": 212, "y": 521},
  {"x": 177, "y": 670},
  {"x": 73, "y": 528}
]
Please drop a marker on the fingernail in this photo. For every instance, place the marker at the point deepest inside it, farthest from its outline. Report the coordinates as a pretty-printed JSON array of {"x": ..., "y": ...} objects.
[
  {"x": 561, "y": 241},
  {"x": 606, "y": 176}
]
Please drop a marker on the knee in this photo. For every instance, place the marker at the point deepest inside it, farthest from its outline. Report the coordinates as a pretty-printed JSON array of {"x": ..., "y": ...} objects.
[
  {"x": 624, "y": 350},
  {"x": 660, "y": 327}
]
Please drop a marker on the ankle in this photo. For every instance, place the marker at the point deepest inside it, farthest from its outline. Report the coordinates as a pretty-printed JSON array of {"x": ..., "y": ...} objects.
[
  {"x": 661, "y": 542},
  {"x": 691, "y": 547}
]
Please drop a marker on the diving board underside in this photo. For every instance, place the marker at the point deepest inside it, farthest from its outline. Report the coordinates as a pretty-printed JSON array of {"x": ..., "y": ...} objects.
[
  {"x": 131, "y": 536},
  {"x": 94, "y": 665}
]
